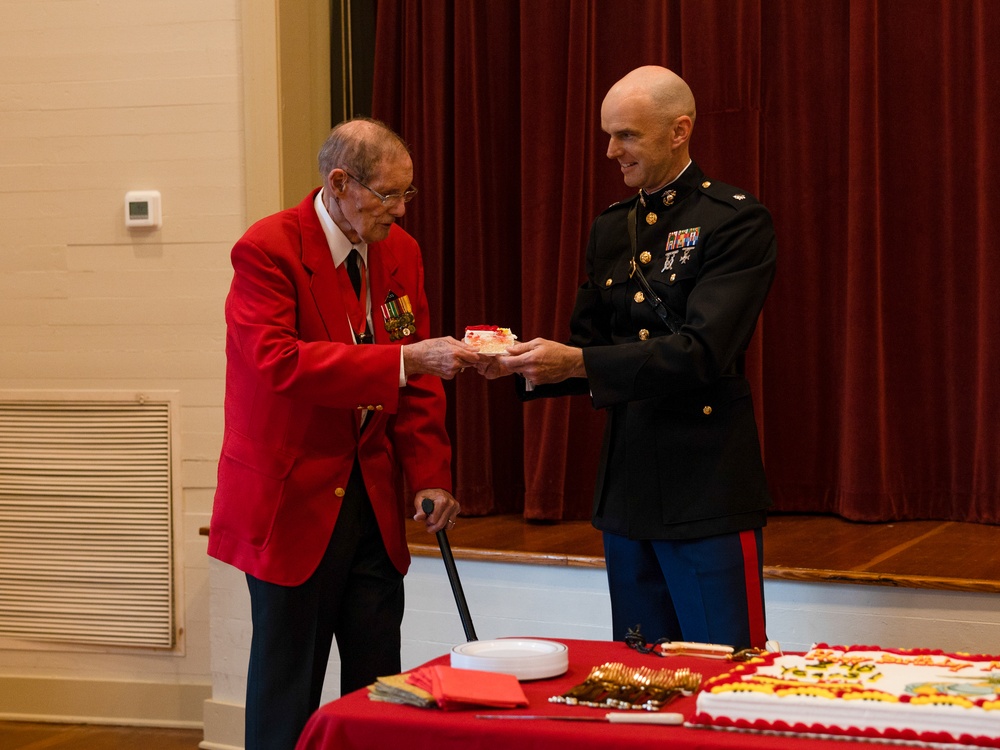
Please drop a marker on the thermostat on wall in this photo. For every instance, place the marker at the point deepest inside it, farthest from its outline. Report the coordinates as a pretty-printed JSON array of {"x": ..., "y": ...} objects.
[{"x": 142, "y": 208}]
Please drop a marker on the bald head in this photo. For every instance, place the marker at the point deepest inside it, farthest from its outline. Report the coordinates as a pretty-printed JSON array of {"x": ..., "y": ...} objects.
[
  {"x": 659, "y": 88},
  {"x": 648, "y": 116}
]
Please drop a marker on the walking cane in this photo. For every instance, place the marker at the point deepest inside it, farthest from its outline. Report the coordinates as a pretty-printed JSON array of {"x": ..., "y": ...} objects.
[{"x": 427, "y": 505}]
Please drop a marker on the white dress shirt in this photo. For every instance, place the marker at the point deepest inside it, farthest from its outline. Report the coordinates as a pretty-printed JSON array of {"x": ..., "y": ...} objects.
[{"x": 340, "y": 248}]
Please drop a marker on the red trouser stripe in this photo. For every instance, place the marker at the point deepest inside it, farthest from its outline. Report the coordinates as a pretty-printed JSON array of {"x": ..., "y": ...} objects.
[{"x": 755, "y": 602}]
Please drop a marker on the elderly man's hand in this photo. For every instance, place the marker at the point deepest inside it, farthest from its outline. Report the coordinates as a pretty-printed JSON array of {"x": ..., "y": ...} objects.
[
  {"x": 541, "y": 361},
  {"x": 444, "y": 357},
  {"x": 445, "y": 513}
]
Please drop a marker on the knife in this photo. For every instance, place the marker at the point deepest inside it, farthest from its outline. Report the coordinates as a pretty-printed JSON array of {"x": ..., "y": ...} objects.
[{"x": 613, "y": 717}]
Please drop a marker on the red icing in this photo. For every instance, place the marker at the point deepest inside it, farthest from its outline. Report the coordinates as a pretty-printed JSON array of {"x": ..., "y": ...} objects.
[
  {"x": 482, "y": 328},
  {"x": 906, "y": 735},
  {"x": 910, "y": 651},
  {"x": 909, "y": 735}
]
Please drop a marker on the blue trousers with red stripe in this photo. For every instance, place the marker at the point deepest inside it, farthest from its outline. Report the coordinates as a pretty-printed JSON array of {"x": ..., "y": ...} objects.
[{"x": 706, "y": 590}]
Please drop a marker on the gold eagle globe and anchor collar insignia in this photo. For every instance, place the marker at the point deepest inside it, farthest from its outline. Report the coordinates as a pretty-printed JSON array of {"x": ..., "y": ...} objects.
[
  {"x": 668, "y": 198},
  {"x": 648, "y": 200}
]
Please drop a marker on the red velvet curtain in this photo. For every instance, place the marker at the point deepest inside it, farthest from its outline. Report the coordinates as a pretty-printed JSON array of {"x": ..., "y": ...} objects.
[{"x": 864, "y": 125}]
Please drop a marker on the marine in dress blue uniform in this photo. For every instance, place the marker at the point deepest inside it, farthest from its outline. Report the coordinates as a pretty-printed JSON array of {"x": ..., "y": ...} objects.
[
  {"x": 681, "y": 463},
  {"x": 681, "y": 494}
]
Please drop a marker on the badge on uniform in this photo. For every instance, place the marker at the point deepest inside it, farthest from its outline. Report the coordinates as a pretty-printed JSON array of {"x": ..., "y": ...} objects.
[
  {"x": 398, "y": 316},
  {"x": 681, "y": 242}
]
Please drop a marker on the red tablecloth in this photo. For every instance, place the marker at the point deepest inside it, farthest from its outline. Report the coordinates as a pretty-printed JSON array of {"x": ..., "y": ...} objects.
[{"x": 356, "y": 723}]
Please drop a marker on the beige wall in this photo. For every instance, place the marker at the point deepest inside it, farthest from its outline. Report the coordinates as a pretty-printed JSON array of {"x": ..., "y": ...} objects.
[{"x": 97, "y": 98}]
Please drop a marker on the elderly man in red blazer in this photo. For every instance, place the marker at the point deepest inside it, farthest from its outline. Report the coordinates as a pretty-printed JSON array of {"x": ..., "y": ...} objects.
[{"x": 333, "y": 403}]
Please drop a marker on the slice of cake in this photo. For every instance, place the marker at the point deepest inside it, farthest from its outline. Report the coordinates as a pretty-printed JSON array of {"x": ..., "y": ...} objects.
[
  {"x": 489, "y": 339},
  {"x": 920, "y": 696}
]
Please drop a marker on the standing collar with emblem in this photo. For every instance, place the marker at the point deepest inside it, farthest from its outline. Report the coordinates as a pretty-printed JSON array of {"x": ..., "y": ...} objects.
[{"x": 675, "y": 192}]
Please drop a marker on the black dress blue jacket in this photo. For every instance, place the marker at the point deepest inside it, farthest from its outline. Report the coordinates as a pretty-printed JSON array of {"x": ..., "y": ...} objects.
[{"x": 681, "y": 457}]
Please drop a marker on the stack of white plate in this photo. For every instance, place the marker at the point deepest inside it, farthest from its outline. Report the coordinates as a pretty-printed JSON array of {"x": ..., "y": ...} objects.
[{"x": 525, "y": 658}]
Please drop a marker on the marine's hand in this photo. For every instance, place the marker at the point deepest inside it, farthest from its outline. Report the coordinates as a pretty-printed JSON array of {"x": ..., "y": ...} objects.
[
  {"x": 491, "y": 367},
  {"x": 446, "y": 510},
  {"x": 541, "y": 361},
  {"x": 444, "y": 357}
]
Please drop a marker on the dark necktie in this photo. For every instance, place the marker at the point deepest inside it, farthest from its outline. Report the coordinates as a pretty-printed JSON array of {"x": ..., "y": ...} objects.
[{"x": 354, "y": 270}]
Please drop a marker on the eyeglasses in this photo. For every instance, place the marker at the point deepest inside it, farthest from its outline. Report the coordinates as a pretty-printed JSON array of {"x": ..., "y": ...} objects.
[{"x": 392, "y": 198}]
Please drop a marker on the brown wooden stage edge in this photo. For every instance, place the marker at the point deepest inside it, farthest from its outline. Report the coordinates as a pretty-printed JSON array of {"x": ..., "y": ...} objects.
[{"x": 913, "y": 554}]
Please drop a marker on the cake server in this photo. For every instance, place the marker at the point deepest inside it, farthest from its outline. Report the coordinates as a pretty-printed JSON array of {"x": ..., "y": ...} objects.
[{"x": 427, "y": 505}]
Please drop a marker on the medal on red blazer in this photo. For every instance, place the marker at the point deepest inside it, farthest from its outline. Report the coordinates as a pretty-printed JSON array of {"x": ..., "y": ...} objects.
[{"x": 397, "y": 313}]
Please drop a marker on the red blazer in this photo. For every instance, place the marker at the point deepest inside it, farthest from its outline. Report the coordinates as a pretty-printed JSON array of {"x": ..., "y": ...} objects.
[{"x": 295, "y": 383}]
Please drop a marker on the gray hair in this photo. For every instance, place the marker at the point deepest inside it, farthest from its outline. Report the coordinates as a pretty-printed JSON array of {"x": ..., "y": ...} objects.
[{"x": 358, "y": 145}]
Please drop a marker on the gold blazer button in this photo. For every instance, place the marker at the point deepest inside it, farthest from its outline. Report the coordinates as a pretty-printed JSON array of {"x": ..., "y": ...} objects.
[
  {"x": 706, "y": 410},
  {"x": 339, "y": 492}
]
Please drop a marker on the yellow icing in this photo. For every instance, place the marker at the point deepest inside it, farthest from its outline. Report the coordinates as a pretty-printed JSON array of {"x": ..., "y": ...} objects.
[
  {"x": 870, "y": 695},
  {"x": 807, "y": 690},
  {"x": 742, "y": 687},
  {"x": 943, "y": 700}
]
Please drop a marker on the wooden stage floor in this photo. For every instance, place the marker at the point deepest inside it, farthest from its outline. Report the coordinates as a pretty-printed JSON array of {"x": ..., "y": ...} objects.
[{"x": 915, "y": 554}]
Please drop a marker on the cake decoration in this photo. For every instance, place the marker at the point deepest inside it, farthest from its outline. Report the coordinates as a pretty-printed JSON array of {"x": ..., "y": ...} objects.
[
  {"x": 489, "y": 339},
  {"x": 918, "y": 695}
]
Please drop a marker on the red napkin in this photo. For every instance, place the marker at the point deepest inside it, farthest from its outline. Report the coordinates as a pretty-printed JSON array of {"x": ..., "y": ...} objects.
[{"x": 459, "y": 688}]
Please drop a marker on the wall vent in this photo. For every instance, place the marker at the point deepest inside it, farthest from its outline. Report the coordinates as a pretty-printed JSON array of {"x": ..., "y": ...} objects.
[{"x": 85, "y": 522}]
